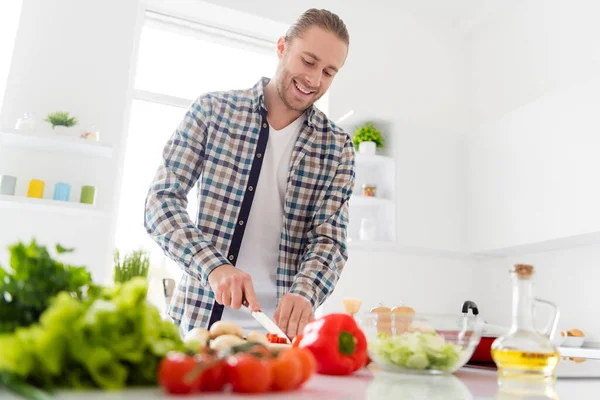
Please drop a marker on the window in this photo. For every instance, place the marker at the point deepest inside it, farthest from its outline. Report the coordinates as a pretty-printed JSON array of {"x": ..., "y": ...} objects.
[
  {"x": 177, "y": 61},
  {"x": 10, "y": 13}
]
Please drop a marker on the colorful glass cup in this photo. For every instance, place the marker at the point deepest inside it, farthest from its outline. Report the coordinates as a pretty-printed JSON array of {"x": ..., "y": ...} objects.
[
  {"x": 36, "y": 189},
  {"x": 62, "y": 191},
  {"x": 88, "y": 194},
  {"x": 7, "y": 185}
]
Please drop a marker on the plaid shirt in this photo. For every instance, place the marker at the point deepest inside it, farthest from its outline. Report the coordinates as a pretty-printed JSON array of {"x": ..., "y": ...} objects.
[{"x": 219, "y": 144}]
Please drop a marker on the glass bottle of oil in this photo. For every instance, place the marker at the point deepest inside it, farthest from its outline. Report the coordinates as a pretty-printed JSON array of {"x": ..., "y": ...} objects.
[{"x": 524, "y": 353}]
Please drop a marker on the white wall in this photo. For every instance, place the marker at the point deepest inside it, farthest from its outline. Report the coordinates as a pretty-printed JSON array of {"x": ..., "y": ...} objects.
[
  {"x": 75, "y": 56},
  {"x": 567, "y": 277},
  {"x": 532, "y": 156},
  {"x": 429, "y": 284}
]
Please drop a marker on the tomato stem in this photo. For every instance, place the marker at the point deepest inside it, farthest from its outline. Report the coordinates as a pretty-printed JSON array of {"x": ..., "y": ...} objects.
[{"x": 198, "y": 369}]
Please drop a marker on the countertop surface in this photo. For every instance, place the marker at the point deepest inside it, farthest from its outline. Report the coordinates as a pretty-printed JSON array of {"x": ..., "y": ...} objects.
[{"x": 371, "y": 384}]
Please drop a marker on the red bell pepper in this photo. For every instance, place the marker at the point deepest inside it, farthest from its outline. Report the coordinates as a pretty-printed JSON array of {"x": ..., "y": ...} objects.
[{"x": 338, "y": 344}]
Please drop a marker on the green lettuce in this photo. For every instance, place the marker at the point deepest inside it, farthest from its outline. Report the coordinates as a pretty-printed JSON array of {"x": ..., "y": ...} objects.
[
  {"x": 418, "y": 351},
  {"x": 111, "y": 339}
]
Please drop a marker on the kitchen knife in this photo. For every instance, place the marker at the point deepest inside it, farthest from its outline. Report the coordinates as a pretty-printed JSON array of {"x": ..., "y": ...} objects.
[{"x": 267, "y": 323}]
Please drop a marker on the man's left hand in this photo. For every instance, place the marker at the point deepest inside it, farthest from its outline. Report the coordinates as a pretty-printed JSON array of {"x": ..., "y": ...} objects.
[{"x": 293, "y": 313}]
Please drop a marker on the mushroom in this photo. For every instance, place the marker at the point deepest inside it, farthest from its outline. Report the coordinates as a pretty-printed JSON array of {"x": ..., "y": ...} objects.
[
  {"x": 225, "y": 328},
  {"x": 197, "y": 335},
  {"x": 224, "y": 342},
  {"x": 254, "y": 336}
]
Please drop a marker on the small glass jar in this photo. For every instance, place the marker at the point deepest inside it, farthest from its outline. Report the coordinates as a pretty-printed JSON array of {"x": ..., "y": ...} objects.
[
  {"x": 369, "y": 190},
  {"x": 26, "y": 123}
]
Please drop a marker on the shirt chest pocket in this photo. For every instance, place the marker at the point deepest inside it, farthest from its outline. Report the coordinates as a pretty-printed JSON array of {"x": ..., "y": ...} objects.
[{"x": 309, "y": 182}]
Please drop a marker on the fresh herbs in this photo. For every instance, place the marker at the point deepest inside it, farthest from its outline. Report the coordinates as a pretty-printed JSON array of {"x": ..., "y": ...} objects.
[
  {"x": 33, "y": 280},
  {"x": 134, "y": 264},
  {"x": 61, "y": 118}
]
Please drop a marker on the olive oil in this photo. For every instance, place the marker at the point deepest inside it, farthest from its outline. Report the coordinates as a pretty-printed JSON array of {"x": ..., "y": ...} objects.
[
  {"x": 525, "y": 364},
  {"x": 524, "y": 354}
]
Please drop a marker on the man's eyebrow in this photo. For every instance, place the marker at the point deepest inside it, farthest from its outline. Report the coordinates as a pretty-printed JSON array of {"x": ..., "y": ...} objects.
[{"x": 313, "y": 55}]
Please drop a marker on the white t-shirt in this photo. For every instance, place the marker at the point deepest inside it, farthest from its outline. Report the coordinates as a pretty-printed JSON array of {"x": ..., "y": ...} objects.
[{"x": 259, "y": 250}]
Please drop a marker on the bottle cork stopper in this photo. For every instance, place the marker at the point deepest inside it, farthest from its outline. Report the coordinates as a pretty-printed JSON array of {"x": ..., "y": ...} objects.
[{"x": 523, "y": 270}]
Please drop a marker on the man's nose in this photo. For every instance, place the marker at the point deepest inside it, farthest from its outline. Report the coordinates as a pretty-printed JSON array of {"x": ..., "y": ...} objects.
[{"x": 314, "y": 80}]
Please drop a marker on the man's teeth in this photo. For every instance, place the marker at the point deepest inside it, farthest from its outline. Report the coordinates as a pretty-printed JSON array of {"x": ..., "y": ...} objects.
[{"x": 302, "y": 89}]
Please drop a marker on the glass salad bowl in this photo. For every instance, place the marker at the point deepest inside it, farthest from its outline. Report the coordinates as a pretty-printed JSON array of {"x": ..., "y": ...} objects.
[{"x": 420, "y": 343}]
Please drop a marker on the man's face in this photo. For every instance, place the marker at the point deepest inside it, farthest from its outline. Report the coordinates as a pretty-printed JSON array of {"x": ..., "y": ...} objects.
[{"x": 307, "y": 66}]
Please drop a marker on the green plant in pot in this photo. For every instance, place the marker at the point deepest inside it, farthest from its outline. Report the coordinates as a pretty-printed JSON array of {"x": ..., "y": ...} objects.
[
  {"x": 61, "y": 121},
  {"x": 367, "y": 138},
  {"x": 135, "y": 264}
]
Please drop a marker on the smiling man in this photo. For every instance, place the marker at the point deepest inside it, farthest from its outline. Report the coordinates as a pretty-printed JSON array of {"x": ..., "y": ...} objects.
[{"x": 275, "y": 176}]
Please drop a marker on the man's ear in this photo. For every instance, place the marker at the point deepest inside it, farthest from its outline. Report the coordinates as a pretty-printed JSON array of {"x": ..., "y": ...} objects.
[{"x": 281, "y": 46}]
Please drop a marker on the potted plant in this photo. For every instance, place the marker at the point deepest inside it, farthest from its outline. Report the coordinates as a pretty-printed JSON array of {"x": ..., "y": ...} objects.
[
  {"x": 367, "y": 138},
  {"x": 134, "y": 264},
  {"x": 61, "y": 122}
]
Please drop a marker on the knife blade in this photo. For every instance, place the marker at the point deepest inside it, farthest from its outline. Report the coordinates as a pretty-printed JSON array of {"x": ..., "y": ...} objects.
[{"x": 268, "y": 324}]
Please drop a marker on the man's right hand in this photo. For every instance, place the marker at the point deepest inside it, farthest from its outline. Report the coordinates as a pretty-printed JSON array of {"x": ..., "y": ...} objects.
[{"x": 233, "y": 287}]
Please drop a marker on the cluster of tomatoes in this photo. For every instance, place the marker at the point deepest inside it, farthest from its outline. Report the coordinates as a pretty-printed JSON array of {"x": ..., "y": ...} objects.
[{"x": 251, "y": 369}]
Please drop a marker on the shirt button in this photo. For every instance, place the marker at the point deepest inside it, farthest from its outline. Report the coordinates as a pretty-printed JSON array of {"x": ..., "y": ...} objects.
[
  {"x": 231, "y": 258},
  {"x": 250, "y": 188},
  {"x": 264, "y": 125},
  {"x": 241, "y": 222},
  {"x": 259, "y": 155}
]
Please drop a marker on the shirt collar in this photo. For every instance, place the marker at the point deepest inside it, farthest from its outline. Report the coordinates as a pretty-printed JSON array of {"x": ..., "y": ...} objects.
[{"x": 258, "y": 101}]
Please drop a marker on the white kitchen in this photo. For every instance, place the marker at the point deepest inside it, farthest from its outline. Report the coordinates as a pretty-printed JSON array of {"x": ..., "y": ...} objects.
[{"x": 480, "y": 180}]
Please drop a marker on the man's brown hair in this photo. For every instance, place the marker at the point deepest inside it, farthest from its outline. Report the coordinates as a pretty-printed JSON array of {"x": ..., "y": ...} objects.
[{"x": 322, "y": 18}]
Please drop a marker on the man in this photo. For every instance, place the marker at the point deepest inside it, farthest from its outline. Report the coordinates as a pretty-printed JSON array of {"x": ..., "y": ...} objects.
[{"x": 275, "y": 176}]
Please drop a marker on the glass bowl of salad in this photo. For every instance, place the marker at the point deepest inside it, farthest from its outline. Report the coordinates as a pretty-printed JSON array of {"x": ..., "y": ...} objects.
[{"x": 404, "y": 341}]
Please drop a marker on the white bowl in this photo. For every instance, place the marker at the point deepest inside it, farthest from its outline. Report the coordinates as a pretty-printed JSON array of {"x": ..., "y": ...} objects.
[{"x": 573, "y": 341}]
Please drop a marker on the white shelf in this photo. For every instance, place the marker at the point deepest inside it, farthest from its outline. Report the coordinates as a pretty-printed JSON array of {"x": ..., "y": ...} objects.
[
  {"x": 27, "y": 203},
  {"x": 55, "y": 143},
  {"x": 580, "y": 352},
  {"x": 374, "y": 160},
  {"x": 544, "y": 246},
  {"x": 372, "y": 245},
  {"x": 380, "y": 245},
  {"x": 359, "y": 200}
]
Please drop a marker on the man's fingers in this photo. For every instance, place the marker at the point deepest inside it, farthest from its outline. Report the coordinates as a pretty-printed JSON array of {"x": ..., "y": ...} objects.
[
  {"x": 295, "y": 318},
  {"x": 285, "y": 311},
  {"x": 304, "y": 319},
  {"x": 236, "y": 296},
  {"x": 251, "y": 296},
  {"x": 226, "y": 297}
]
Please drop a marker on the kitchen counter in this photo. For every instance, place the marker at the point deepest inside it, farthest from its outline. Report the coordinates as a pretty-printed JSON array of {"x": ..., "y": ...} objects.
[{"x": 373, "y": 384}]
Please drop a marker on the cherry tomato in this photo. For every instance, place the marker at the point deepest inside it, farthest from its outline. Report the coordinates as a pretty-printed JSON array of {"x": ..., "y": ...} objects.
[
  {"x": 308, "y": 363},
  {"x": 272, "y": 338},
  {"x": 296, "y": 341},
  {"x": 248, "y": 374},
  {"x": 213, "y": 379},
  {"x": 286, "y": 370},
  {"x": 172, "y": 372}
]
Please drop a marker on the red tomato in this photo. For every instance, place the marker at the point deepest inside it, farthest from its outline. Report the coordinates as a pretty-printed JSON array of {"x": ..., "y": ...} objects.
[
  {"x": 172, "y": 373},
  {"x": 248, "y": 374},
  {"x": 213, "y": 379},
  {"x": 286, "y": 370},
  {"x": 308, "y": 363}
]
